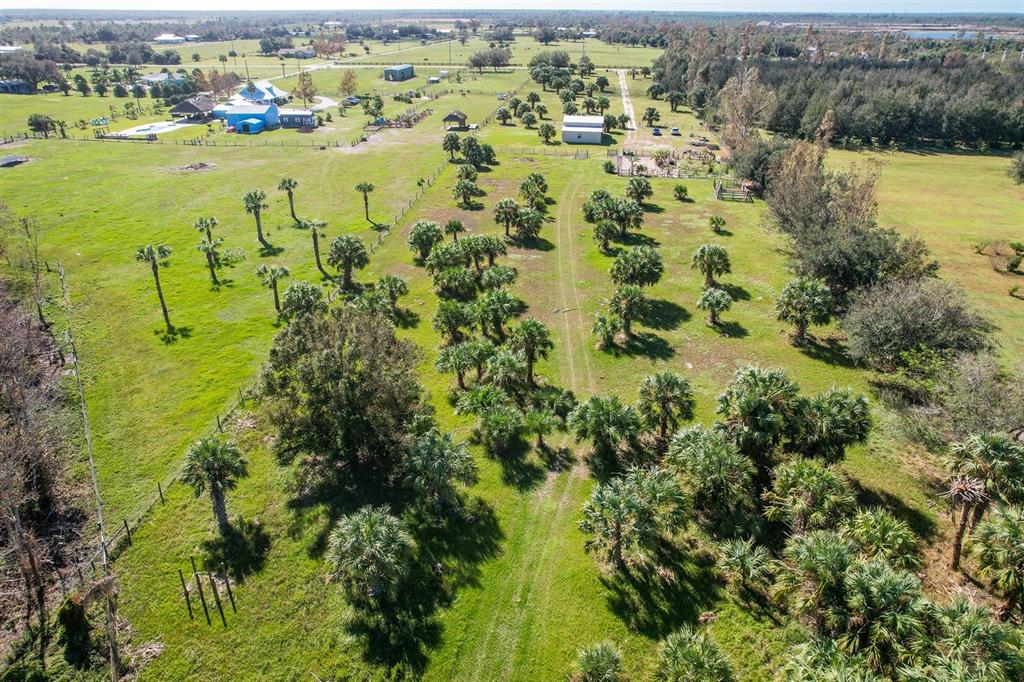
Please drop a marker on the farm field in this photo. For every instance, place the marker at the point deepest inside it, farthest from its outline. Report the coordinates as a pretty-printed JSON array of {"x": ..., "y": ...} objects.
[{"x": 521, "y": 594}]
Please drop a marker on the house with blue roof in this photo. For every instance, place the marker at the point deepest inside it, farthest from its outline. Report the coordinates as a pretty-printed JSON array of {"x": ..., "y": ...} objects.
[
  {"x": 250, "y": 119},
  {"x": 261, "y": 92}
]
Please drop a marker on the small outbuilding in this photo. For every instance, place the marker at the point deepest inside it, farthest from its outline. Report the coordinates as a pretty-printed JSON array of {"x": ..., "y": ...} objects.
[
  {"x": 399, "y": 73},
  {"x": 297, "y": 52},
  {"x": 250, "y": 126},
  {"x": 583, "y": 129},
  {"x": 454, "y": 119},
  {"x": 297, "y": 118},
  {"x": 195, "y": 108}
]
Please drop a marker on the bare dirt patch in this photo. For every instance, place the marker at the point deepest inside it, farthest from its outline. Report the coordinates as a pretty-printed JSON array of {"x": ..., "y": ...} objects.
[{"x": 198, "y": 167}]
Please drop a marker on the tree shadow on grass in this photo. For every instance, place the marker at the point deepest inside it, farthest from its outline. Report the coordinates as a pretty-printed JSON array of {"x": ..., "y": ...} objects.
[
  {"x": 675, "y": 590},
  {"x": 637, "y": 239},
  {"x": 242, "y": 551},
  {"x": 535, "y": 243},
  {"x": 648, "y": 345},
  {"x": 169, "y": 336},
  {"x": 733, "y": 330},
  {"x": 830, "y": 351},
  {"x": 664, "y": 315},
  {"x": 407, "y": 318},
  {"x": 737, "y": 292},
  {"x": 517, "y": 469},
  {"x": 653, "y": 208},
  {"x": 556, "y": 459},
  {"x": 270, "y": 251},
  {"x": 921, "y": 523}
]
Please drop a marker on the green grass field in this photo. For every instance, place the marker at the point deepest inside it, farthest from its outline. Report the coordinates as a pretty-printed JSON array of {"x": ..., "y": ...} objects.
[{"x": 525, "y": 594}]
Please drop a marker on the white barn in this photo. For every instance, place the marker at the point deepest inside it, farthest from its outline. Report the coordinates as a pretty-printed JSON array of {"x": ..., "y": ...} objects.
[{"x": 582, "y": 129}]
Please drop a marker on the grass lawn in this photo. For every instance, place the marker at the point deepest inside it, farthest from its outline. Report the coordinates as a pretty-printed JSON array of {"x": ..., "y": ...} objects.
[{"x": 522, "y": 596}]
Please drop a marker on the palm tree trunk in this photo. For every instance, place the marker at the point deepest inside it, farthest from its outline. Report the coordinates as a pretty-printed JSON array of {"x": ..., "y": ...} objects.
[
  {"x": 347, "y": 283},
  {"x": 213, "y": 270},
  {"x": 461, "y": 379},
  {"x": 366, "y": 205},
  {"x": 291, "y": 206},
  {"x": 529, "y": 368},
  {"x": 627, "y": 326},
  {"x": 709, "y": 280},
  {"x": 713, "y": 318},
  {"x": 277, "y": 299},
  {"x": 958, "y": 539},
  {"x": 979, "y": 511},
  {"x": 316, "y": 253},
  {"x": 160, "y": 294},
  {"x": 259, "y": 230},
  {"x": 801, "y": 332},
  {"x": 220, "y": 509}
]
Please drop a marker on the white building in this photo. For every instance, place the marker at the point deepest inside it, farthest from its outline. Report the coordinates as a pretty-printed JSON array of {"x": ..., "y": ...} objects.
[
  {"x": 582, "y": 129},
  {"x": 168, "y": 39}
]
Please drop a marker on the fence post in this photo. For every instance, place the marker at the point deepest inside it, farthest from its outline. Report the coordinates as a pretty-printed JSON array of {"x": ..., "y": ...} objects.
[
  {"x": 160, "y": 489},
  {"x": 127, "y": 530},
  {"x": 227, "y": 584}
]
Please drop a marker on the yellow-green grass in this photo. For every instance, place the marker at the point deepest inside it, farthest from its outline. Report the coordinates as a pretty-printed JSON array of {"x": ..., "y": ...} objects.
[
  {"x": 15, "y": 110},
  {"x": 528, "y": 596},
  {"x": 683, "y": 118},
  {"x": 523, "y": 49}
]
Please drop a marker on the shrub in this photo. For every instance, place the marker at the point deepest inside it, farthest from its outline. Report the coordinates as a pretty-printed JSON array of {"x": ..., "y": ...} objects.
[
  {"x": 892, "y": 318},
  {"x": 681, "y": 193},
  {"x": 609, "y": 167}
]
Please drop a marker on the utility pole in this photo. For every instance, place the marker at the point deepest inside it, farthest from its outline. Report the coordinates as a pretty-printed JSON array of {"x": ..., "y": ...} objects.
[{"x": 115, "y": 658}]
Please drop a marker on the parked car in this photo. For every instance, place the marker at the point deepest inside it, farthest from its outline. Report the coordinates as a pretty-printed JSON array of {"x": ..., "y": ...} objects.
[
  {"x": 675, "y": 131},
  {"x": 656, "y": 132},
  {"x": 713, "y": 147},
  {"x": 352, "y": 100}
]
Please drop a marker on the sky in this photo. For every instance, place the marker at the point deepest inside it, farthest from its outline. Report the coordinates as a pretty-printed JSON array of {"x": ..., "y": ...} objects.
[{"x": 848, "y": 6}]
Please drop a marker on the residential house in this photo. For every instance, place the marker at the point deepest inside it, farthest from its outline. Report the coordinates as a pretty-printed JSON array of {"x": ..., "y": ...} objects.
[{"x": 297, "y": 118}]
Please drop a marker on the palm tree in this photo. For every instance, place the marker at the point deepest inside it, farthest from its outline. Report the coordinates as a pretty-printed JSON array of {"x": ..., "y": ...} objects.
[
  {"x": 208, "y": 245},
  {"x": 640, "y": 265},
  {"x": 715, "y": 301},
  {"x": 533, "y": 340},
  {"x": 454, "y": 227},
  {"x": 606, "y": 329},
  {"x": 604, "y": 231},
  {"x": 756, "y": 408},
  {"x": 999, "y": 546},
  {"x": 628, "y": 303},
  {"x": 255, "y": 202},
  {"x": 600, "y": 662},
  {"x": 688, "y": 655},
  {"x": 506, "y": 370},
  {"x": 436, "y": 463},
  {"x": 811, "y": 576},
  {"x": 370, "y": 551},
  {"x": 494, "y": 307},
  {"x": 807, "y": 495},
  {"x": 880, "y": 535},
  {"x": 997, "y": 461},
  {"x": 156, "y": 255},
  {"x": 365, "y": 188},
  {"x": 804, "y": 301},
  {"x": 965, "y": 493},
  {"x": 392, "y": 286},
  {"x": 665, "y": 399},
  {"x": 540, "y": 423},
  {"x": 629, "y": 512},
  {"x": 884, "y": 612},
  {"x": 269, "y": 277},
  {"x": 450, "y": 319},
  {"x": 316, "y": 230},
  {"x": 746, "y": 565},
  {"x": 423, "y": 236},
  {"x": 607, "y": 423},
  {"x": 506, "y": 213},
  {"x": 464, "y": 191},
  {"x": 451, "y": 144},
  {"x": 712, "y": 260},
  {"x": 288, "y": 185},
  {"x": 639, "y": 189},
  {"x": 717, "y": 478},
  {"x": 347, "y": 253},
  {"x": 457, "y": 360},
  {"x": 302, "y": 298},
  {"x": 215, "y": 465}
]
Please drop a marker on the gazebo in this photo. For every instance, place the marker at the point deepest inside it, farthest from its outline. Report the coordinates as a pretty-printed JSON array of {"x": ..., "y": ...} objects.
[
  {"x": 455, "y": 117},
  {"x": 195, "y": 108}
]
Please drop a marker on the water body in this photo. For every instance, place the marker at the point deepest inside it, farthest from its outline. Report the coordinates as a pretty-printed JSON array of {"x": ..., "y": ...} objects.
[{"x": 942, "y": 35}]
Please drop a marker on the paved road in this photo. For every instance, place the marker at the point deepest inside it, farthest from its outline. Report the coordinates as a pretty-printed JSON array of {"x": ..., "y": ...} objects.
[{"x": 627, "y": 106}]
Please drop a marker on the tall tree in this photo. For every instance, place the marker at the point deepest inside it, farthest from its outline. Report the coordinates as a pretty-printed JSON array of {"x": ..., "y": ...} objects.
[
  {"x": 156, "y": 255},
  {"x": 665, "y": 399},
  {"x": 999, "y": 546},
  {"x": 315, "y": 228},
  {"x": 347, "y": 253},
  {"x": 688, "y": 655},
  {"x": 288, "y": 185},
  {"x": 365, "y": 188},
  {"x": 269, "y": 276},
  {"x": 807, "y": 495},
  {"x": 255, "y": 202},
  {"x": 208, "y": 246},
  {"x": 215, "y": 465},
  {"x": 436, "y": 463},
  {"x": 533, "y": 340},
  {"x": 711, "y": 260},
  {"x": 608, "y": 424},
  {"x": 715, "y": 301},
  {"x": 804, "y": 301},
  {"x": 370, "y": 551},
  {"x": 506, "y": 213}
]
